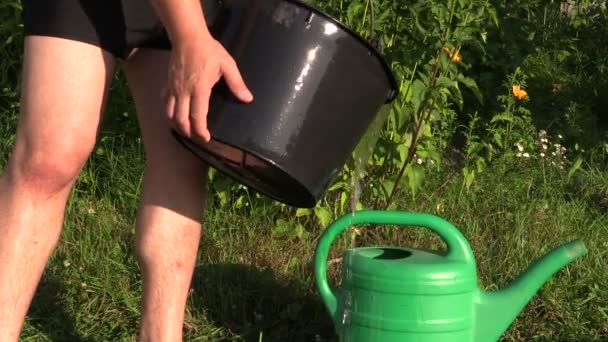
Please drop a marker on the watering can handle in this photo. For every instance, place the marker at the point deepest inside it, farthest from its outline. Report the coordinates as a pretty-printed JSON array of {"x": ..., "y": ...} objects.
[{"x": 458, "y": 247}]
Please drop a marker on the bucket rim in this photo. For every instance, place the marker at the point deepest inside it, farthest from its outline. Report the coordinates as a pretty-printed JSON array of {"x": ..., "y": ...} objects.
[
  {"x": 307, "y": 200},
  {"x": 388, "y": 70}
]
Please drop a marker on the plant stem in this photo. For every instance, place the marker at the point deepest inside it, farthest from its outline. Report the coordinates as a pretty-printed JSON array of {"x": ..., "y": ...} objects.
[{"x": 425, "y": 109}]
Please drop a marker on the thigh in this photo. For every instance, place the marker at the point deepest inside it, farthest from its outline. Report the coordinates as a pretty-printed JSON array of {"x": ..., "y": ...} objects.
[
  {"x": 172, "y": 172},
  {"x": 64, "y": 85},
  {"x": 99, "y": 23}
]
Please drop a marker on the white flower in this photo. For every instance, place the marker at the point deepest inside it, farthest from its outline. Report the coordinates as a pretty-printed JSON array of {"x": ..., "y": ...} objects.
[
  {"x": 544, "y": 146},
  {"x": 519, "y": 154},
  {"x": 544, "y": 140},
  {"x": 559, "y": 136},
  {"x": 526, "y": 155},
  {"x": 542, "y": 154},
  {"x": 553, "y": 154},
  {"x": 520, "y": 148},
  {"x": 419, "y": 160}
]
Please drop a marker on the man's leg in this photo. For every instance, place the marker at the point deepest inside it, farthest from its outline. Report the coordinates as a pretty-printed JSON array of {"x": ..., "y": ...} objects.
[
  {"x": 64, "y": 86},
  {"x": 171, "y": 207}
]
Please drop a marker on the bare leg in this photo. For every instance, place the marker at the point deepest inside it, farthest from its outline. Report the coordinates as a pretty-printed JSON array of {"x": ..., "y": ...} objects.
[
  {"x": 171, "y": 206},
  {"x": 64, "y": 85}
]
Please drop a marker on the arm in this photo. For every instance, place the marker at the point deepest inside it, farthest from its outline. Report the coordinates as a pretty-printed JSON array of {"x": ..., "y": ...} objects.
[
  {"x": 197, "y": 62},
  {"x": 182, "y": 19}
]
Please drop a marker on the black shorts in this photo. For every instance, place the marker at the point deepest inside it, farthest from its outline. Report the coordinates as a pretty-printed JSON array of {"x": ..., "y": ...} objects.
[{"x": 117, "y": 26}]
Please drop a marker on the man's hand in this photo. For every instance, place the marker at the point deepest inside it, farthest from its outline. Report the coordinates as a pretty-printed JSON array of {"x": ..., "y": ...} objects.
[
  {"x": 198, "y": 61},
  {"x": 194, "y": 69}
]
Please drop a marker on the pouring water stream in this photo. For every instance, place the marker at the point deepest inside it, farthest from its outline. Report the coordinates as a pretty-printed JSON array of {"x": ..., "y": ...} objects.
[{"x": 361, "y": 155}]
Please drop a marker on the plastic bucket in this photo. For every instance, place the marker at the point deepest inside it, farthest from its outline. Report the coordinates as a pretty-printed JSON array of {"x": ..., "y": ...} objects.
[{"x": 317, "y": 87}]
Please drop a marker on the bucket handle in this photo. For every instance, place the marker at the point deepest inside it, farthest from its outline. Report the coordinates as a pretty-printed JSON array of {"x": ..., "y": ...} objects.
[{"x": 458, "y": 247}]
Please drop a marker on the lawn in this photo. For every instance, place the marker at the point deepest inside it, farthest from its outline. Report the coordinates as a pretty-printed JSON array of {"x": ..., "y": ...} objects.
[
  {"x": 481, "y": 84},
  {"x": 252, "y": 283}
]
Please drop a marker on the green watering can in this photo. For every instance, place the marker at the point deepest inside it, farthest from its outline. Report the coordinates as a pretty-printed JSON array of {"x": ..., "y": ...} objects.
[{"x": 391, "y": 294}]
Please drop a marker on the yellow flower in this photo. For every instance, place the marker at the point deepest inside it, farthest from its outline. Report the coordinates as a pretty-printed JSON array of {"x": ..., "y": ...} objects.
[
  {"x": 519, "y": 93},
  {"x": 455, "y": 56}
]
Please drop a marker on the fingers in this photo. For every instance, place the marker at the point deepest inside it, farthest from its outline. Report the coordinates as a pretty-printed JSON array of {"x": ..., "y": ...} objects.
[
  {"x": 235, "y": 81},
  {"x": 188, "y": 113},
  {"x": 199, "y": 106},
  {"x": 188, "y": 94},
  {"x": 181, "y": 116},
  {"x": 169, "y": 100}
]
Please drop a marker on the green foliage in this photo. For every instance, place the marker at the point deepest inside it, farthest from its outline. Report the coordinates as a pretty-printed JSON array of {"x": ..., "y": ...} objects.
[
  {"x": 516, "y": 173},
  {"x": 422, "y": 41},
  {"x": 456, "y": 62},
  {"x": 561, "y": 48}
]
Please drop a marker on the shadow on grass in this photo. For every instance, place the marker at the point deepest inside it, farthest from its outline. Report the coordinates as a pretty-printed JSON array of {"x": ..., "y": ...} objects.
[
  {"x": 47, "y": 313},
  {"x": 250, "y": 301}
]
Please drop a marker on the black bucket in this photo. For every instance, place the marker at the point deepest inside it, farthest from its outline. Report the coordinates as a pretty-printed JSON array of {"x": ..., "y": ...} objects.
[{"x": 317, "y": 87}]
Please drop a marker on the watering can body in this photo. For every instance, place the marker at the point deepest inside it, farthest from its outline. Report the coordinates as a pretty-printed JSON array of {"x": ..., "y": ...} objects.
[
  {"x": 405, "y": 294},
  {"x": 400, "y": 294}
]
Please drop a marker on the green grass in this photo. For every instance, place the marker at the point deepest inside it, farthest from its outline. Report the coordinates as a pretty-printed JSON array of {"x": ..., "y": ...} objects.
[
  {"x": 251, "y": 284},
  {"x": 254, "y": 279},
  {"x": 254, "y": 282}
]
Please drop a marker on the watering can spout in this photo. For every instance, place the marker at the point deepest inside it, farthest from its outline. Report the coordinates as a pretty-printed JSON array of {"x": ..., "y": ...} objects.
[{"x": 497, "y": 310}]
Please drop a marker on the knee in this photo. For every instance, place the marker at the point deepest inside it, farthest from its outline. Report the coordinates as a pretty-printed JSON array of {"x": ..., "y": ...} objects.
[
  {"x": 166, "y": 243},
  {"x": 46, "y": 171}
]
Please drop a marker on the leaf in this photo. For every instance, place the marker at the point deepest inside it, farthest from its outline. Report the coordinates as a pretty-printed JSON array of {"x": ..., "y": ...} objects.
[
  {"x": 240, "y": 201},
  {"x": 398, "y": 115},
  {"x": 343, "y": 199},
  {"x": 498, "y": 139},
  {"x": 352, "y": 11},
  {"x": 427, "y": 132},
  {"x": 443, "y": 81},
  {"x": 323, "y": 215},
  {"x": 407, "y": 139},
  {"x": 415, "y": 176},
  {"x": 493, "y": 15},
  {"x": 576, "y": 166},
  {"x": 300, "y": 231},
  {"x": 407, "y": 93},
  {"x": 472, "y": 85},
  {"x": 469, "y": 176},
  {"x": 418, "y": 94},
  {"x": 223, "y": 196},
  {"x": 281, "y": 228},
  {"x": 417, "y": 23},
  {"x": 473, "y": 149},
  {"x": 388, "y": 186},
  {"x": 303, "y": 212},
  {"x": 222, "y": 184},
  {"x": 402, "y": 149},
  {"x": 211, "y": 174},
  {"x": 359, "y": 206},
  {"x": 502, "y": 117},
  {"x": 481, "y": 165},
  {"x": 337, "y": 185}
]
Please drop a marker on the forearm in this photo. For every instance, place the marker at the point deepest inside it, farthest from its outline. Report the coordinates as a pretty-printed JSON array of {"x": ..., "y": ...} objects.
[{"x": 183, "y": 19}]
